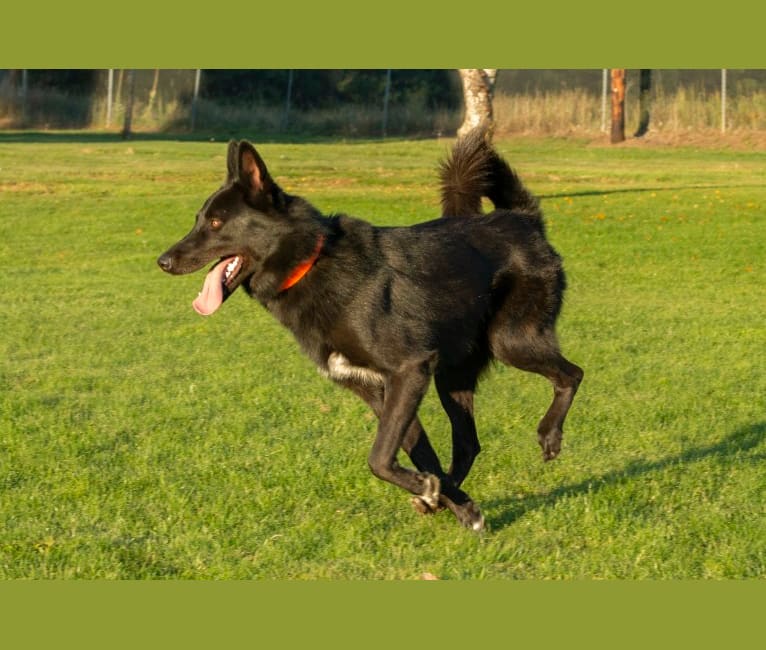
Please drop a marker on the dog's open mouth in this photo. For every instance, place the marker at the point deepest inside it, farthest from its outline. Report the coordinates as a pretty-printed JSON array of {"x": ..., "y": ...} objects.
[{"x": 219, "y": 284}]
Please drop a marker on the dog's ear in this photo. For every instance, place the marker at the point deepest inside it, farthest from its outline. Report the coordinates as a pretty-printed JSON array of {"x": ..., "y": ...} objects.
[
  {"x": 252, "y": 172},
  {"x": 232, "y": 162}
]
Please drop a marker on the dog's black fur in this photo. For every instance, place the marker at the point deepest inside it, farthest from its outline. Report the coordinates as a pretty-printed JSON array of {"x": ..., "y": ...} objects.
[{"x": 383, "y": 310}]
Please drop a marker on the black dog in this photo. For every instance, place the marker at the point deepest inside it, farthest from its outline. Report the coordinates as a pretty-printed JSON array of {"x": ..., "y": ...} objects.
[{"x": 382, "y": 310}]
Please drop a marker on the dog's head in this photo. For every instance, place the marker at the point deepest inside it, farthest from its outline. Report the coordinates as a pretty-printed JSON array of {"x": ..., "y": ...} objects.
[{"x": 240, "y": 225}]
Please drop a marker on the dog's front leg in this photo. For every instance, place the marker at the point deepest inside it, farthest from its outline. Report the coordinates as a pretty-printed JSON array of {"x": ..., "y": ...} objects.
[{"x": 404, "y": 391}]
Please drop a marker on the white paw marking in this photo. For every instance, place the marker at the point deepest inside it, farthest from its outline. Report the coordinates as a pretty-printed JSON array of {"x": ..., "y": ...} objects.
[{"x": 431, "y": 494}]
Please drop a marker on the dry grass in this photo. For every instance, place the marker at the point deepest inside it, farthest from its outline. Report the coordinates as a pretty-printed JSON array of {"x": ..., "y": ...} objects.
[
  {"x": 569, "y": 112},
  {"x": 683, "y": 116},
  {"x": 740, "y": 140},
  {"x": 682, "y": 113}
]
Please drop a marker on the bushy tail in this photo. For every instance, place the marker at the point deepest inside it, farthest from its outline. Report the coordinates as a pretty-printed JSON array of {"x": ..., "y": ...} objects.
[{"x": 475, "y": 170}]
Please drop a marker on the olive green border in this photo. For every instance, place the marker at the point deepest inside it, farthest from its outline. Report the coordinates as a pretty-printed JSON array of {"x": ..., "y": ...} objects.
[
  {"x": 394, "y": 34},
  {"x": 391, "y": 34},
  {"x": 532, "y": 614}
]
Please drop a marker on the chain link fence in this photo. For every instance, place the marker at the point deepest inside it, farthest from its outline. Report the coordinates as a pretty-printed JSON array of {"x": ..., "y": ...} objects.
[{"x": 367, "y": 103}]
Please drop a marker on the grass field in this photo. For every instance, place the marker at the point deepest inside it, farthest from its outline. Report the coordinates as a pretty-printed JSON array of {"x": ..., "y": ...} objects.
[{"x": 138, "y": 440}]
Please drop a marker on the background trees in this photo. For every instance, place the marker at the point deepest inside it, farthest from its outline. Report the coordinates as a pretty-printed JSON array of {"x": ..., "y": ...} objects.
[{"x": 355, "y": 103}]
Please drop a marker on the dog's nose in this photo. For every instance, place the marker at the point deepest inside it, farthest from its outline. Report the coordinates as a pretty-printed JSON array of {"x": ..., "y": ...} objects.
[{"x": 166, "y": 262}]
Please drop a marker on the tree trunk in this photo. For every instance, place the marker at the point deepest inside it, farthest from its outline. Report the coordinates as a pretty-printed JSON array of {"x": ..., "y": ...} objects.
[
  {"x": 386, "y": 99},
  {"x": 118, "y": 92},
  {"x": 109, "y": 97},
  {"x": 24, "y": 96},
  {"x": 723, "y": 100},
  {"x": 288, "y": 100},
  {"x": 128, "y": 122},
  {"x": 195, "y": 98},
  {"x": 11, "y": 82},
  {"x": 618, "y": 105},
  {"x": 644, "y": 102},
  {"x": 153, "y": 93},
  {"x": 478, "y": 87}
]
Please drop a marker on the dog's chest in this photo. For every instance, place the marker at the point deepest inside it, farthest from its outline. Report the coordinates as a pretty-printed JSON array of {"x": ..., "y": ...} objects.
[{"x": 340, "y": 369}]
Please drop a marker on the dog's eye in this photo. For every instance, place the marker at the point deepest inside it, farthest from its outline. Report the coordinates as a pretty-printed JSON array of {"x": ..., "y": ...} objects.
[{"x": 215, "y": 224}]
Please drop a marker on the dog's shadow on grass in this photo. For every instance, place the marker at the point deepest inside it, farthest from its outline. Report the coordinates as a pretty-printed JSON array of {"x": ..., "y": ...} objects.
[
  {"x": 740, "y": 441},
  {"x": 642, "y": 190}
]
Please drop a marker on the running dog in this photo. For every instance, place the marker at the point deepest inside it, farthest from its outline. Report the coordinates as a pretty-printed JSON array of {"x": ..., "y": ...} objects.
[{"x": 382, "y": 311}]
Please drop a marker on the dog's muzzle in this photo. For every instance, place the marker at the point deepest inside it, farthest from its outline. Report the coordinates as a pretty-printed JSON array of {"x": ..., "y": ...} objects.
[{"x": 165, "y": 262}]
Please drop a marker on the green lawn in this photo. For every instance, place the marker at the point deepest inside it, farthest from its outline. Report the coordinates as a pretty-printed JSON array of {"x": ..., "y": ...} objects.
[{"x": 139, "y": 440}]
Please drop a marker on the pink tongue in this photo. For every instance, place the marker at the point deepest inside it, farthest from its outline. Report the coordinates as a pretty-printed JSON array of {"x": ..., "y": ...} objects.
[{"x": 211, "y": 296}]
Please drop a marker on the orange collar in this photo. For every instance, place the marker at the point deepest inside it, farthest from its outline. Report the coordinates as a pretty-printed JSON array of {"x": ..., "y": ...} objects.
[{"x": 296, "y": 275}]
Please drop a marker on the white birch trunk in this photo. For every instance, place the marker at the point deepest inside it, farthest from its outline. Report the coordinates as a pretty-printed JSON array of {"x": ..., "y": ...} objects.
[{"x": 478, "y": 87}]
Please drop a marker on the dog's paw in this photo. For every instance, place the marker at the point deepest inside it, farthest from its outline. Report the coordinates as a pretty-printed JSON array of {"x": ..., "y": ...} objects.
[
  {"x": 550, "y": 444},
  {"x": 421, "y": 506},
  {"x": 431, "y": 491},
  {"x": 470, "y": 516},
  {"x": 428, "y": 502},
  {"x": 424, "y": 508}
]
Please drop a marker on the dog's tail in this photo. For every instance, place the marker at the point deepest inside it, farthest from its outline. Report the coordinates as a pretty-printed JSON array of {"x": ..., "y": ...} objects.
[{"x": 475, "y": 170}]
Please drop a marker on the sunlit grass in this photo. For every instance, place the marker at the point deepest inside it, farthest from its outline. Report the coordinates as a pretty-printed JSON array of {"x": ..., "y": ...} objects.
[{"x": 139, "y": 440}]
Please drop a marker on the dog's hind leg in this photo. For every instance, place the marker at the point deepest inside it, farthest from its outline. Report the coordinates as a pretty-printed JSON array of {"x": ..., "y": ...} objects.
[
  {"x": 418, "y": 447},
  {"x": 539, "y": 353},
  {"x": 565, "y": 377},
  {"x": 456, "y": 392}
]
